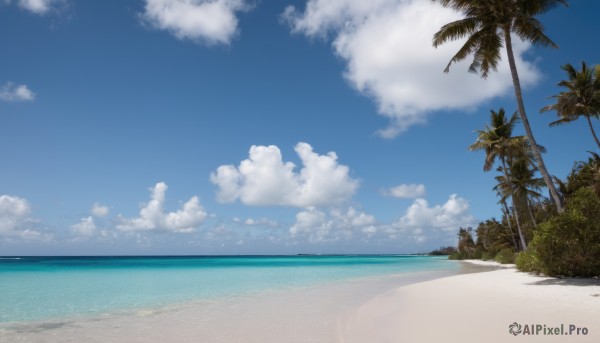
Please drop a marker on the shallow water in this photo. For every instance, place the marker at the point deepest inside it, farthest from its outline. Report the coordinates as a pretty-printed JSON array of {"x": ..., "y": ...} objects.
[
  {"x": 37, "y": 288},
  {"x": 267, "y": 300}
]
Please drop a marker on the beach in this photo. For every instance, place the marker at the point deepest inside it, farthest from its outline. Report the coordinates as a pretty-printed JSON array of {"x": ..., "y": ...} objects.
[
  {"x": 480, "y": 308},
  {"x": 199, "y": 299},
  {"x": 477, "y": 305},
  {"x": 312, "y": 314}
]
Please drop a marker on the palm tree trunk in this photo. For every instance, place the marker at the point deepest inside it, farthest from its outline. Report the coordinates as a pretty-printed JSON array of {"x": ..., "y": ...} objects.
[
  {"x": 512, "y": 233},
  {"x": 593, "y": 132},
  {"x": 531, "y": 213},
  {"x": 533, "y": 145},
  {"x": 503, "y": 159},
  {"x": 523, "y": 244}
]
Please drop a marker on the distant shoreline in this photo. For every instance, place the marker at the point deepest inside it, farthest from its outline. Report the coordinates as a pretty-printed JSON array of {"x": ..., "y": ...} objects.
[{"x": 230, "y": 255}]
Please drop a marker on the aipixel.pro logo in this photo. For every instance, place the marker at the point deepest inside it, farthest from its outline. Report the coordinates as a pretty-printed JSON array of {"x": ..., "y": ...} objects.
[{"x": 516, "y": 329}]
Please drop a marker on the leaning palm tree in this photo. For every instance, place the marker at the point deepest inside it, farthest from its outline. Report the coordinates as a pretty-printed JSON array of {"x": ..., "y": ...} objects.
[
  {"x": 582, "y": 97},
  {"x": 488, "y": 25}
]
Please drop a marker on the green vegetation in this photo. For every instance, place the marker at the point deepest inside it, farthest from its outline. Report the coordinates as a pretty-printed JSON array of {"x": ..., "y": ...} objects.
[
  {"x": 580, "y": 99},
  {"x": 505, "y": 256},
  {"x": 563, "y": 244},
  {"x": 569, "y": 243},
  {"x": 559, "y": 235},
  {"x": 443, "y": 251}
]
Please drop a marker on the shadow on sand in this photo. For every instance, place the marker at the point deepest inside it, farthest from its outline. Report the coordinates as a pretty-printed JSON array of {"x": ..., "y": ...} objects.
[{"x": 568, "y": 282}]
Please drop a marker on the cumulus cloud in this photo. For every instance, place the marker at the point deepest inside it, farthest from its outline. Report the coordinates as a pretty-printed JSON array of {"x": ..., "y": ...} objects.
[
  {"x": 85, "y": 228},
  {"x": 386, "y": 45},
  {"x": 15, "y": 219},
  {"x": 406, "y": 191},
  {"x": 264, "y": 179},
  {"x": 153, "y": 217},
  {"x": 420, "y": 219},
  {"x": 39, "y": 6},
  {"x": 13, "y": 92},
  {"x": 99, "y": 210},
  {"x": 206, "y": 21},
  {"x": 320, "y": 226},
  {"x": 419, "y": 223}
]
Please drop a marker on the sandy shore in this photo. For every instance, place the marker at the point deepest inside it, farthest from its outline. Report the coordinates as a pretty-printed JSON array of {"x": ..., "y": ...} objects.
[
  {"x": 304, "y": 315},
  {"x": 411, "y": 308},
  {"x": 480, "y": 308}
]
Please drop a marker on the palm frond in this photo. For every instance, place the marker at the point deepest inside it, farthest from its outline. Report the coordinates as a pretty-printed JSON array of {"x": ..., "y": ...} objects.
[
  {"x": 532, "y": 30},
  {"x": 455, "y": 30},
  {"x": 470, "y": 45}
]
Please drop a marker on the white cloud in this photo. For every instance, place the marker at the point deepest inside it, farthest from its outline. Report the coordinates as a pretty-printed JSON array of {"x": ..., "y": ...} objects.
[
  {"x": 13, "y": 92},
  {"x": 207, "y": 21},
  {"x": 420, "y": 219},
  {"x": 15, "y": 219},
  {"x": 85, "y": 228},
  {"x": 419, "y": 223},
  {"x": 264, "y": 179},
  {"x": 319, "y": 226},
  {"x": 99, "y": 210},
  {"x": 152, "y": 216},
  {"x": 406, "y": 191},
  {"x": 265, "y": 222},
  {"x": 39, "y": 6},
  {"x": 387, "y": 45}
]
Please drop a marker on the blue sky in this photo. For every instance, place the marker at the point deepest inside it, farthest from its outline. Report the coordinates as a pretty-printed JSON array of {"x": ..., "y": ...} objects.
[{"x": 128, "y": 126}]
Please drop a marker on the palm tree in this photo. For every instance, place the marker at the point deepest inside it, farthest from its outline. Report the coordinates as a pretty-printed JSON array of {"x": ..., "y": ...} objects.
[
  {"x": 498, "y": 142},
  {"x": 505, "y": 190},
  {"x": 525, "y": 186},
  {"x": 488, "y": 24},
  {"x": 582, "y": 97},
  {"x": 466, "y": 245},
  {"x": 583, "y": 174},
  {"x": 520, "y": 185},
  {"x": 506, "y": 212}
]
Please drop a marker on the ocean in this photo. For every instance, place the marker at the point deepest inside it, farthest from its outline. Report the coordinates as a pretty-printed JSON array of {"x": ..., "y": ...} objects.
[{"x": 43, "y": 288}]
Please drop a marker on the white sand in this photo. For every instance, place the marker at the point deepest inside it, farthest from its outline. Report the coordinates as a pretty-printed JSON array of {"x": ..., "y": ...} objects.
[{"x": 478, "y": 308}]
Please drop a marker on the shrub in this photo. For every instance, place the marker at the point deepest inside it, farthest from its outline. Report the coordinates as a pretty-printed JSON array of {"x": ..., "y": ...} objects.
[
  {"x": 505, "y": 256},
  {"x": 477, "y": 254},
  {"x": 527, "y": 261},
  {"x": 569, "y": 243},
  {"x": 487, "y": 256}
]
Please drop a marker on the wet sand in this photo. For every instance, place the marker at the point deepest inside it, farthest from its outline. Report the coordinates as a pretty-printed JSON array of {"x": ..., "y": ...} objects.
[{"x": 313, "y": 314}]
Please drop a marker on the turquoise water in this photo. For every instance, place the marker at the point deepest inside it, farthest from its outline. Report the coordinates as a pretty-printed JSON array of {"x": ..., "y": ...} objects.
[{"x": 35, "y": 288}]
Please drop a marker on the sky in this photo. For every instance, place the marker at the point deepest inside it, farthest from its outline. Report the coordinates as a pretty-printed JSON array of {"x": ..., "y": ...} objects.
[{"x": 209, "y": 127}]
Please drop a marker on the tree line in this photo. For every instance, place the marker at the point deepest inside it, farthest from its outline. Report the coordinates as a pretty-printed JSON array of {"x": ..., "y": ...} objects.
[{"x": 558, "y": 235}]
